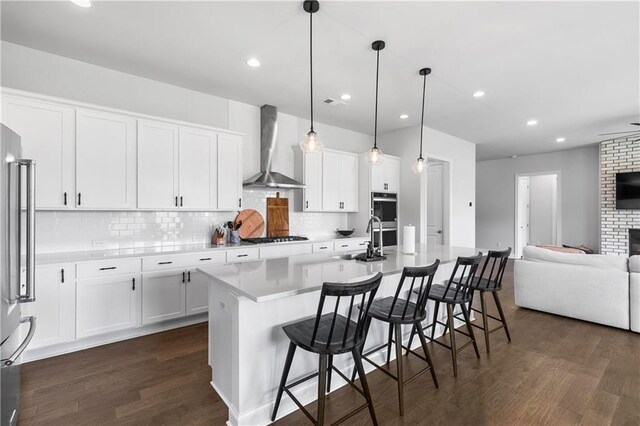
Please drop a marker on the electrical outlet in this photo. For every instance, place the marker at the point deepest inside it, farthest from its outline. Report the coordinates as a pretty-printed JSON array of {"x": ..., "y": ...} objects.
[
  {"x": 498, "y": 244},
  {"x": 97, "y": 244}
]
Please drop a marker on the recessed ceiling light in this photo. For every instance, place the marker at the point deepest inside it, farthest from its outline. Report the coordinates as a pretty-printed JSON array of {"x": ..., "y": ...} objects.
[
  {"x": 532, "y": 122},
  {"x": 404, "y": 116},
  {"x": 478, "y": 94},
  {"x": 514, "y": 156},
  {"x": 345, "y": 97},
  {"x": 560, "y": 139},
  {"x": 253, "y": 62},
  {"x": 82, "y": 3}
]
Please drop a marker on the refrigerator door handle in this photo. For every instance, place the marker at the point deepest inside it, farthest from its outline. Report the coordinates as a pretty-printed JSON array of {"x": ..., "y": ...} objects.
[
  {"x": 30, "y": 165},
  {"x": 32, "y": 329}
]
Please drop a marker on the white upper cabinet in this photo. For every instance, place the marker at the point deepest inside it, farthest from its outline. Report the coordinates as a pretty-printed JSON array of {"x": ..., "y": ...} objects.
[
  {"x": 339, "y": 181},
  {"x": 105, "y": 160},
  {"x": 386, "y": 176},
  {"x": 229, "y": 172},
  {"x": 47, "y": 134},
  {"x": 197, "y": 159},
  {"x": 157, "y": 161},
  {"x": 312, "y": 170}
]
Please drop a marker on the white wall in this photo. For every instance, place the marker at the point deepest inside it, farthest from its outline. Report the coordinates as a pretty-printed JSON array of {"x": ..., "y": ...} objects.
[
  {"x": 461, "y": 156},
  {"x": 579, "y": 177},
  {"x": 542, "y": 209},
  {"x": 40, "y": 72}
]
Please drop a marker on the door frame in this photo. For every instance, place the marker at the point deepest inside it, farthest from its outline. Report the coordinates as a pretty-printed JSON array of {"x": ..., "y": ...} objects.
[
  {"x": 447, "y": 176},
  {"x": 558, "y": 205}
]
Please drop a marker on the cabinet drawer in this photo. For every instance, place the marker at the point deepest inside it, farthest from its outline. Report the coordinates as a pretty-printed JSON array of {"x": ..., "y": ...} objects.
[
  {"x": 184, "y": 260},
  {"x": 207, "y": 257},
  {"x": 322, "y": 247},
  {"x": 350, "y": 245},
  {"x": 284, "y": 250},
  {"x": 105, "y": 268},
  {"x": 242, "y": 255}
]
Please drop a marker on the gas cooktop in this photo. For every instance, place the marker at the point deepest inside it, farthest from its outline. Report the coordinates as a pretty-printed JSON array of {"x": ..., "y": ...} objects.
[{"x": 264, "y": 240}]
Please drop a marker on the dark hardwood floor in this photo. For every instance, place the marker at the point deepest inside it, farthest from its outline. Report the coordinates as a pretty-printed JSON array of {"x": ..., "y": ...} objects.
[{"x": 556, "y": 371}]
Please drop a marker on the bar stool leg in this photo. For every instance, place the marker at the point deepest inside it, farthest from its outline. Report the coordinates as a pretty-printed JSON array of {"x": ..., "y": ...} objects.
[
  {"x": 485, "y": 321},
  {"x": 398, "y": 328},
  {"x": 504, "y": 320},
  {"x": 435, "y": 319},
  {"x": 427, "y": 355},
  {"x": 322, "y": 386},
  {"x": 389, "y": 343},
  {"x": 329, "y": 373},
  {"x": 357, "y": 358},
  {"x": 452, "y": 338},
  {"x": 467, "y": 319},
  {"x": 283, "y": 380}
]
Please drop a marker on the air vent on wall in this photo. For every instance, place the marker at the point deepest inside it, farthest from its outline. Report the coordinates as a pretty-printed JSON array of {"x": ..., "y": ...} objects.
[{"x": 334, "y": 103}]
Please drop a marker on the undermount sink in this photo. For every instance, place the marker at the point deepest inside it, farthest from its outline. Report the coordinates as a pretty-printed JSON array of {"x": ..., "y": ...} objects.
[{"x": 361, "y": 257}]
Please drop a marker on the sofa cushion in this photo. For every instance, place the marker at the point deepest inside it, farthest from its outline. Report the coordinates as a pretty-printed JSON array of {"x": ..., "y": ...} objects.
[
  {"x": 634, "y": 264},
  {"x": 594, "y": 260}
]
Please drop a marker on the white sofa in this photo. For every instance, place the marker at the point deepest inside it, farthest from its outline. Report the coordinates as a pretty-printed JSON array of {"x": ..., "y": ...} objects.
[{"x": 596, "y": 288}]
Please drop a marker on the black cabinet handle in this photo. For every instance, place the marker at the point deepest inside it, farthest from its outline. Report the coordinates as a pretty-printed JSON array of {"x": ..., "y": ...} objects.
[
  {"x": 65, "y": 198},
  {"x": 108, "y": 268},
  {"x": 242, "y": 255},
  {"x": 189, "y": 276},
  {"x": 165, "y": 263},
  {"x": 306, "y": 204},
  {"x": 181, "y": 201},
  {"x": 79, "y": 198},
  {"x": 62, "y": 276},
  {"x": 239, "y": 202},
  {"x": 133, "y": 284},
  {"x": 324, "y": 248},
  {"x": 205, "y": 258},
  {"x": 176, "y": 201},
  {"x": 183, "y": 276}
]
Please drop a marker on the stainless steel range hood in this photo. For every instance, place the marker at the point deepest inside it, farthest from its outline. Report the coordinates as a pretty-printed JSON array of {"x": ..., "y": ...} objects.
[{"x": 268, "y": 140}]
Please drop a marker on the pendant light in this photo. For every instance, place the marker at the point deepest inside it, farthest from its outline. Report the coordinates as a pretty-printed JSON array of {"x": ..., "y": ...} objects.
[
  {"x": 420, "y": 164},
  {"x": 311, "y": 143},
  {"x": 375, "y": 155}
]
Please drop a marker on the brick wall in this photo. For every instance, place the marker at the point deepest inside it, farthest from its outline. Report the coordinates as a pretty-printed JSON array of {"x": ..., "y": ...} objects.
[{"x": 616, "y": 156}]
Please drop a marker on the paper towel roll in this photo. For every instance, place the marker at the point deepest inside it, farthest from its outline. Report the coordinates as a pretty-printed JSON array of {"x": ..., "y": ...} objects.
[{"x": 409, "y": 240}]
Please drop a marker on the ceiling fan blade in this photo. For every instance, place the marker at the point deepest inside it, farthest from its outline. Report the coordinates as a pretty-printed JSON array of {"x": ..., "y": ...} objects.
[{"x": 617, "y": 133}]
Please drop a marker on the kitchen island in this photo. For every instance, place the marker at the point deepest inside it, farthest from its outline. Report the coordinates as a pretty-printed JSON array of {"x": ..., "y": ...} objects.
[{"x": 250, "y": 302}]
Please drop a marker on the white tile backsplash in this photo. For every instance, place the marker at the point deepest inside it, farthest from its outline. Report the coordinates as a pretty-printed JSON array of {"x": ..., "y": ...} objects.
[{"x": 65, "y": 231}]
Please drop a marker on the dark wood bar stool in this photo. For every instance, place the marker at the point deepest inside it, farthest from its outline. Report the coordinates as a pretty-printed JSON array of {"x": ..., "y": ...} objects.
[
  {"x": 328, "y": 335},
  {"x": 397, "y": 311},
  {"x": 490, "y": 281},
  {"x": 455, "y": 292}
]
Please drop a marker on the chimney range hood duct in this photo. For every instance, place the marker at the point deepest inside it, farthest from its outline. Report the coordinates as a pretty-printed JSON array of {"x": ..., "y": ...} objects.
[{"x": 268, "y": 140}]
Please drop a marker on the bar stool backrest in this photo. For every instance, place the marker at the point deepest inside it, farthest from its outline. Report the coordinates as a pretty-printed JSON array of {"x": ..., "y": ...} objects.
[
  {"x": 462, "y": 275},
  {"x": 494, "y": 267},
  {"x": 424, "y": 275},
  {"x": 361, "y": 293}
]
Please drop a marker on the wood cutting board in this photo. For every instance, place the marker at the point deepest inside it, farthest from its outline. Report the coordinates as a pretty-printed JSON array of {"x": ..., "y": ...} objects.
[
  {"x": 277, "y": 216},
  {"x": 252, "y": 224}
]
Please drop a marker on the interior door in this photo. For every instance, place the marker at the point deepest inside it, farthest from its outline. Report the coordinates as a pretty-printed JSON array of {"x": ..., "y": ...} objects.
[
  {"x": 198, "y": 157},
  {"x": 105, "y": 160},
  {"x": 522, "y": 214},
  {"x": 229, "y": 172},
  {"x": 157, "y": 165},
  {"x": 434, "y": 204},
  {"x": 331, "y": 192},
  {"x": 47, "y": 133},
  {"x": 313, "y": 181}
]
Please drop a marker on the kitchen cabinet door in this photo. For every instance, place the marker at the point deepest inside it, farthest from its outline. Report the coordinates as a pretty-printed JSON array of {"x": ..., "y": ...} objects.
[
  {"x": 163, "y": 295},
  {"x": 349, "y": 182},
  {"x": 386, "y": 176},
  {"x": 47, "y": 134},
  {"x": 55, "y": 305},
  {"x": 197, "y": 292},
  {"x": 331, "y": 184},
  {"x": 196, "y": 169},
  {"x": 157, "y": 165},
  {"x": 105, "y": 160},
  {"x": 313, "y": 182},
  {"x": 393, "y": 174},
  {"x": 229, "y": 170},
  {"x": 107, "y": 304}
]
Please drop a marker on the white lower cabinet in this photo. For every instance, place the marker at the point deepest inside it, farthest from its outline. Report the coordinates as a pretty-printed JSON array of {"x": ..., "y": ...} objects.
[
  {"x": 55, "y": 305},
  {"x": 163, "y": 295},
  {"x": 196, "y": 293},
  {"x": 107, "y": 304}
]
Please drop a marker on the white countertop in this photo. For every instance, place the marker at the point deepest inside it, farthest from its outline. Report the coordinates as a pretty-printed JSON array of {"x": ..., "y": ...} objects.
[
  {"x": 83, "y": 256},
  {"x": 275, "y": 278}
]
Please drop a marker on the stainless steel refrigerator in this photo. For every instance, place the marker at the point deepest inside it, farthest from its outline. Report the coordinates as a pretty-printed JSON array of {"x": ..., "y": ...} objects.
[{"x": 17, "y": 266}]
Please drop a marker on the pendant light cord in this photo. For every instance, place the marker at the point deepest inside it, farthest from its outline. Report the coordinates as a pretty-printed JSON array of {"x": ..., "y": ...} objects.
[
  {"x": 375, "y": 126},
  {"x": 311, "y": 62},
  {"x": 424, "y": 91}
]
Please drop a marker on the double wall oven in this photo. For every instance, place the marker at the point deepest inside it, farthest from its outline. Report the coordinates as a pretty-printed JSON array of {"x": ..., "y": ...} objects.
[{"x": 385, "y": 206}]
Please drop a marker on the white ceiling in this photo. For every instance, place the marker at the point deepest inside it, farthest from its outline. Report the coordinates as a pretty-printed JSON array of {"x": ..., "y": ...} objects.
[{"x": 573, "y": 66}]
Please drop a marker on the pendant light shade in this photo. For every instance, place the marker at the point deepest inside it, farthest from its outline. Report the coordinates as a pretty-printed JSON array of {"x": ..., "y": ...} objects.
[
  {"x": 375, "y": 156},
  {"x": 311, "y": 143},
  {"x": 420, "y": 165}
]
